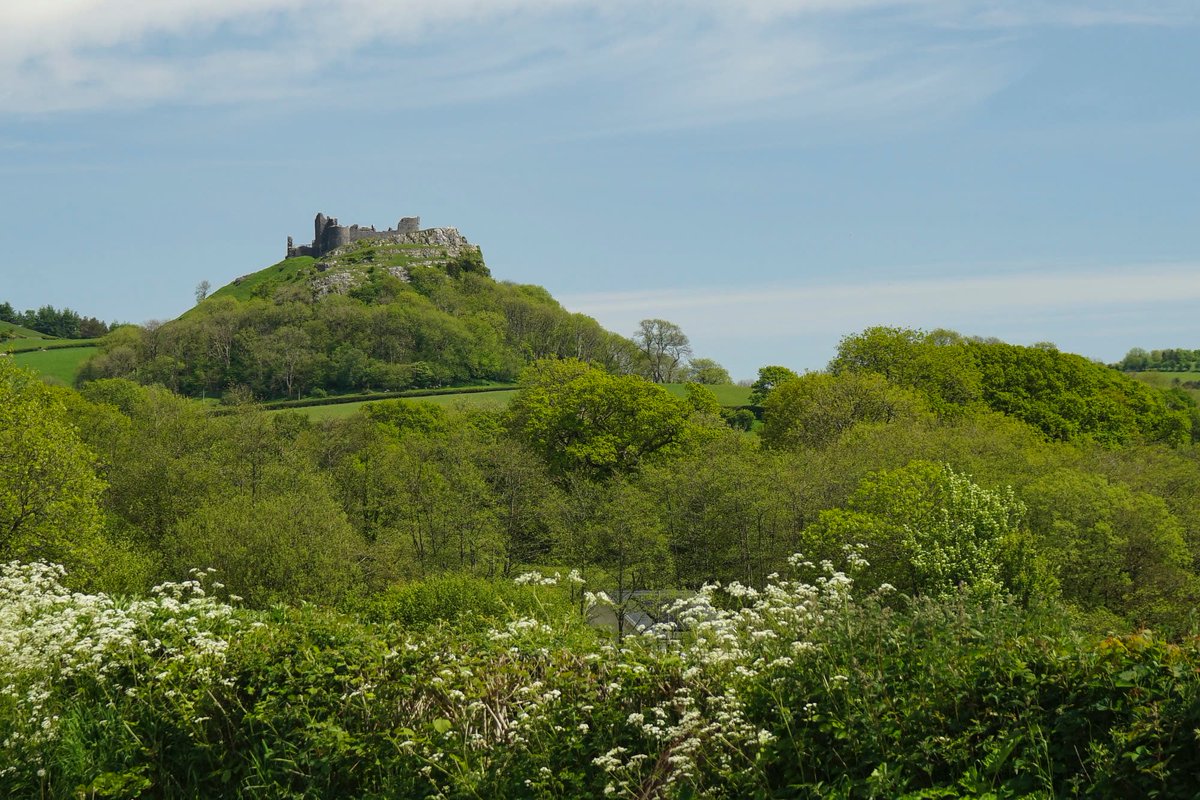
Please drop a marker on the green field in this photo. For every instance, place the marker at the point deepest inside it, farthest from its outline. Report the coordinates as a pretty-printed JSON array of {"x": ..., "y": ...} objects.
[
  {"x": 467, "y": 399},
  {"x": 61, "y": 365},
  {"x": 1167, "y": 380},
  {"x": 728, "y": 395},
  {"x": 21, "y": 333}
]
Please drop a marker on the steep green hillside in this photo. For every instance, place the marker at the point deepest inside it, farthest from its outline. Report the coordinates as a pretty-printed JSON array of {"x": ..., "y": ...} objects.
[
  {"x": 9, "y": 330},
  {"x": 355, "y": 267},
  {"x": 379, "y": 315},
  {"x": 264, "y": 282}
]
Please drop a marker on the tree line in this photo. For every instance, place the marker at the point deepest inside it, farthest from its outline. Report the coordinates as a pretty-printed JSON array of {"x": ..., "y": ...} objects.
[
  {"x": 1168, "y": 360},
  {"x": 63, "y": 323}
]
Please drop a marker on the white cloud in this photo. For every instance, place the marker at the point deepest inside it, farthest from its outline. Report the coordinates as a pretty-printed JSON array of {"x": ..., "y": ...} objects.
[
  {"x": 677, "y": 58},
  {"x": 1010, "y": 304}
]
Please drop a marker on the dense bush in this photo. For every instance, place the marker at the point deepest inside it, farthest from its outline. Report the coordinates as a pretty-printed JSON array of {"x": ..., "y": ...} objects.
[{"x": 794, "y": 690}]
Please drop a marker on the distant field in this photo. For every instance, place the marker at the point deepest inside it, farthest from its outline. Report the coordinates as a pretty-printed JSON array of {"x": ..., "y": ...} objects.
[
  {"x": 61, "y": 365},
  {"x": 727, "y": 395},
  {"x": 22, "y": 333},
  {"x": 22, "y": 344},
  {"x": 469, "y": 400},
  {"x": 1165, "y": 380}
]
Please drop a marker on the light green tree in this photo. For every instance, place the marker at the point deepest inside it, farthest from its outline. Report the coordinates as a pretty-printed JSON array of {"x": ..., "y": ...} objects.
[
  {"x": 768, "y": 378},
  {"x": 283, "y": 547},
  {"x": 816, "y": 409},
  {"x": 1112, "y": 548},
  {"x": 578, "y": 417},
  {"x": 706, "y": 371},
  {"x": 939, "y": 364},
  {"x": 928, "y": 530},
  {"x": 664, "y": 346},
  {"x": 49, "y": 491}
]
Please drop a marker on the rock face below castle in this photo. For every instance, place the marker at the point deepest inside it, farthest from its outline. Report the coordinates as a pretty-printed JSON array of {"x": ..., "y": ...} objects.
[{"x": 329, "y": 235}]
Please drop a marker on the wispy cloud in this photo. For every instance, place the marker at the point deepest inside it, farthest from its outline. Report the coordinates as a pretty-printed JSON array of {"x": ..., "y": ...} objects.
[
  {"x": 1056, "y": 303},
  {"x": 693, "y": 61}
]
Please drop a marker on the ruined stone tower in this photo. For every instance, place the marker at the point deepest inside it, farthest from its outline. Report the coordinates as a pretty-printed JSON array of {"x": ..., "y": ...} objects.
[{"x": 329, "y": 235}]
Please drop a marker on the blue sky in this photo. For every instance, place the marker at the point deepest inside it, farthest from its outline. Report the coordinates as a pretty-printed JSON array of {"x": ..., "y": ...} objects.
[{"x": 769, "y": 174}]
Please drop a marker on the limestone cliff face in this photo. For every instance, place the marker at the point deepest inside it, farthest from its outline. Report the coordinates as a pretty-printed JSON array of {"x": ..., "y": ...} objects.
[{"x": 341, "y": 269}]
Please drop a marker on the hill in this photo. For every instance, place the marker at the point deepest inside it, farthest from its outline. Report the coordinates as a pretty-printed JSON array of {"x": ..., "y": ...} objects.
[
  {"x": 394, "y": 312},
  {"x": 10, "y": 330},
  {"x": 352, "y": 268}
]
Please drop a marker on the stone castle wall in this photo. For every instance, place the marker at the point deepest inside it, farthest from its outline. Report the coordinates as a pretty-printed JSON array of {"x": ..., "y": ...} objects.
[{"x": 329, "y": 235}]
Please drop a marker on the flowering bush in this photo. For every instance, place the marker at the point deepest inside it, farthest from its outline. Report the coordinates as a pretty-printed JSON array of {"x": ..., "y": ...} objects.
[
  {"x": 796, "y": 689},
  {"x": 59, "y": 647}
]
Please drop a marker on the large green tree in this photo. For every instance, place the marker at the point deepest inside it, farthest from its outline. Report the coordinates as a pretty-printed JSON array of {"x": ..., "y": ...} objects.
[
  {"x": 930, "y": 530},
  {"x": 816, "y": 409},
  {"x": 664, "y": 346},
  {"x": 579, "y": 417},
  {"x": 49, "y": 491}
]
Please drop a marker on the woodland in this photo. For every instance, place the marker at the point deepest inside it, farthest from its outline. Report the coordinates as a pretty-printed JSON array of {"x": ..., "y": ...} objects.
[{"x": 943, "y": 566}]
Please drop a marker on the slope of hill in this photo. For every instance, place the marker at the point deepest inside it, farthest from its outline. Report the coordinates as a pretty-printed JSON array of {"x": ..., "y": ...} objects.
[
  {"x": 417, "y": 310},
  {"x": 9, "y": 330}
]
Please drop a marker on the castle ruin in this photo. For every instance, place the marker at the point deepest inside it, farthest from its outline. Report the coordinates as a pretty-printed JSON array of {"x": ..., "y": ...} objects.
[{"x": 330, "y": 235}]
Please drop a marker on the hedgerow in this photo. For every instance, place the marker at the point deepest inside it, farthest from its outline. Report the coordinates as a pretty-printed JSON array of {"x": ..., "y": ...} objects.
[{"x": 797, "y": 689}]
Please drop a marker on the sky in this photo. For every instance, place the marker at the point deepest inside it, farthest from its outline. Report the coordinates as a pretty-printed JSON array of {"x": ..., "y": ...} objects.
[{"x": 771, "y": 175}]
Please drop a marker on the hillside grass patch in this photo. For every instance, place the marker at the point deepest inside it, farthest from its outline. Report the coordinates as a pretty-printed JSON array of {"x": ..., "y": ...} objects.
[
  {"x": 728, "y": 394},
  {"x": 59, "y": 364},
  {"x": 472, "y": 400},
  {"x": 245, "y": 287}
]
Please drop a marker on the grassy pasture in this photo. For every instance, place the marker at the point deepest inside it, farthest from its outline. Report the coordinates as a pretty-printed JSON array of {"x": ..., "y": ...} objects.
[
  {"x": 21, "y": 333},
  {"x": 727, "y": 395},
  {"x": 1166, "y": 380},
  {"x": 59, "y": 364},
  {"x": 498, "y": 399}
]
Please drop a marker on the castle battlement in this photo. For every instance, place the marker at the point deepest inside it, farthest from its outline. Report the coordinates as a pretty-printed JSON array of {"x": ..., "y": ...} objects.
[{"x": 329, "y": 235}]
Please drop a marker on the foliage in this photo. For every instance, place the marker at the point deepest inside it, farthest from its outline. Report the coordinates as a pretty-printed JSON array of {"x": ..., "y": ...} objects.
[
  {"x": 664, "y": 346},
  {"x": 447, "y": 325},
  {"x": 1066, "y": 396},
  {"x": 50, "y": 321},
  {"x": 768, "y": 379},
  {"x": 1069, "y": 397},
  {"x": 1115, "y": 549},
  {"x": 708, "y": 372},
  {"x": 800, "y": 688},
  {"x": 1172, "y": 359},
  {"x": 580, "y": 417},
  {"x": 288, "y": 546},
  {"x": 999, "y": 550},
  {"x": 49, "y": 491},
  {"x": 816, "y": 409},
  {"x": 928, "y": 530},
  {"x": 938, "y": 364}
]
